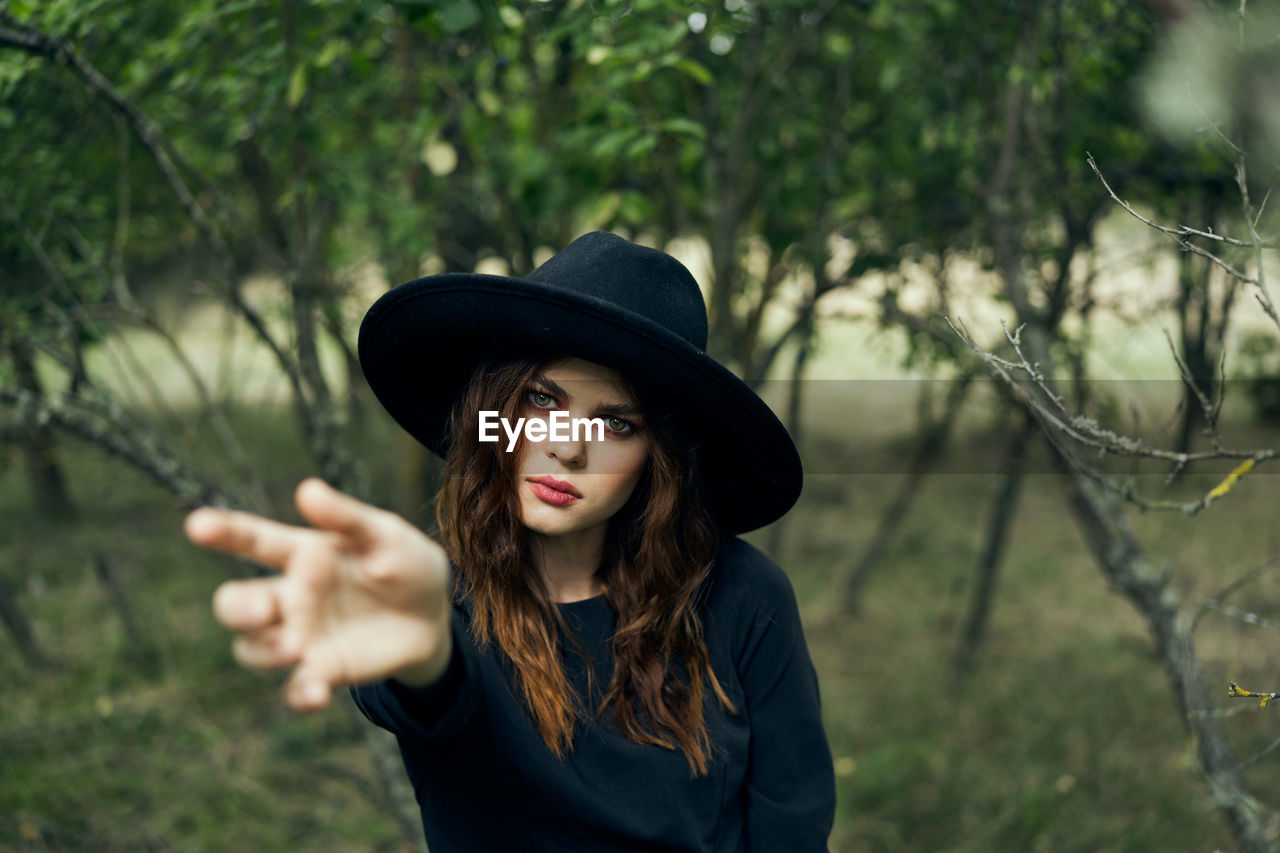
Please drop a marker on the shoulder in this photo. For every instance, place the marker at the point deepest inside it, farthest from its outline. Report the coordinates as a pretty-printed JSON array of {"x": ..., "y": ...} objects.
[
  {"x": 745, "y": 569},
  {"x": 745, "y": 582},
  {"x": 752, "y": 610}
]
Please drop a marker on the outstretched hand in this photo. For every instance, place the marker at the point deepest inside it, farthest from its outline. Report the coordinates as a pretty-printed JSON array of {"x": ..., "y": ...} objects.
[{"x": 361, "y": 596}]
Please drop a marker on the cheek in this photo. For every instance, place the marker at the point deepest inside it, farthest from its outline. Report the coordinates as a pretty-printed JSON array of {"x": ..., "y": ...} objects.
[
  {"x": 520, "y": 453},
  {"x": 626, "y": 469}
]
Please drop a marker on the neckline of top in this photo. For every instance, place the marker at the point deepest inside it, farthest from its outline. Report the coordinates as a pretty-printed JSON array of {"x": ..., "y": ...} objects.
[{"x": 582, "y": 601}]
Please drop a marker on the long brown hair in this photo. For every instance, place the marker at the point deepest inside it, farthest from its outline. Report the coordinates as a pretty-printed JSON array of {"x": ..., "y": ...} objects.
[{"x": 659, "y": 550}]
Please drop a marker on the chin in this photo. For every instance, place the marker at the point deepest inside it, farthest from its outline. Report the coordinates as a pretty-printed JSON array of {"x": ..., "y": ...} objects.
[{"x": 547, "y": 522}]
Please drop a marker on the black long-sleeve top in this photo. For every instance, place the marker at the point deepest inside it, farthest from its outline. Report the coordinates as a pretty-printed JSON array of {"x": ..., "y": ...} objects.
[{"x": 486, "y": 781}]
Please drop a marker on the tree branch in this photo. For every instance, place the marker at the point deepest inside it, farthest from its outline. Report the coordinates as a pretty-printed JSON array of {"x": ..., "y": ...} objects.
[
  {"x": 142, "y": 451},
  {"x": 1183, "y": 234},
  {"x": 159, "y": 147}
]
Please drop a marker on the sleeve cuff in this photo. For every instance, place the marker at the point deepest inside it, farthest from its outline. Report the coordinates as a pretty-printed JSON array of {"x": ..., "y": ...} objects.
[{"x": 438, "y": 709}]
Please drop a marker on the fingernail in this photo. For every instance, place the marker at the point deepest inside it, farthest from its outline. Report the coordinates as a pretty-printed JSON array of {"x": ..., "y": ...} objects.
[
  {"x": 198, "y": 521},
  {"x": 192, "y": 521}
]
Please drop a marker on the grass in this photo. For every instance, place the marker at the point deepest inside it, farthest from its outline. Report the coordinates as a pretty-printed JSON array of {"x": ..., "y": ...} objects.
[{"x": 1066, "y": 738}]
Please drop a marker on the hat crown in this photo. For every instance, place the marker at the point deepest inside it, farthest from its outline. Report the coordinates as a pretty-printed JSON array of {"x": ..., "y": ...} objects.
[
  {"x": 643, "y": 281},
  {"x": 605, "y": 300}
]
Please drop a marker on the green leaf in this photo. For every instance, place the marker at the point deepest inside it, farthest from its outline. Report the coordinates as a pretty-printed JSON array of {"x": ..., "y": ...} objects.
[
  {"x": 490, "y": 103},
  {"x": 458, "y": 15},
  {"x": 609, "y": 144},
  {"x": 683, "y": 127},
  {"x": 511, "y": 17},
  {"x": 297, "y": 86},
  {"x": 696, "y": 70},
  {"x": 642, "y": 146},
  {"x": 331, "y": 51},
  {"x": 839, "y": 44}
]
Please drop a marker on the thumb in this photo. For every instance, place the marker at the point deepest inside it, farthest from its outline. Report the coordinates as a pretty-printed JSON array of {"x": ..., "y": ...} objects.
[{"x": 330, "y": 509}]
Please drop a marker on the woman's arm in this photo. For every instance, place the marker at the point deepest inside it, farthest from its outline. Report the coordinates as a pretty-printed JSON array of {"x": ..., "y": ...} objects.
[
  {"x": 362, "y": 595},
  {"x": 790, "y": 782},
  {"x": 438, "y": 709}
]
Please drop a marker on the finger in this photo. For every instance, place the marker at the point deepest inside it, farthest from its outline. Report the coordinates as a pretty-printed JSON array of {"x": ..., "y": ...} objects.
[
  {"x": 330, "y": 509},
  {"x": 247, "y": 605},
  {"x": 308, "y": 688},
  {"x": 244, "y": 534},
  {"x": 270, "y": 648},
  {"x": 309, "y": 592}
]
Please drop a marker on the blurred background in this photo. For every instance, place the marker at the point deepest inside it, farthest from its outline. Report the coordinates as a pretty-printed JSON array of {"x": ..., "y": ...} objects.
[{"x": 1005, "y": 269}]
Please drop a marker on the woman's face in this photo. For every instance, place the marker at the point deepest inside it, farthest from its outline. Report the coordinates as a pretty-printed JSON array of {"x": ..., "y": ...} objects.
[{"x": 587, "y": 480}]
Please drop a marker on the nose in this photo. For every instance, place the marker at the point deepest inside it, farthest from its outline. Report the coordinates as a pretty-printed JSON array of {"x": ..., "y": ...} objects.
[{"x": 568, "y": 452}]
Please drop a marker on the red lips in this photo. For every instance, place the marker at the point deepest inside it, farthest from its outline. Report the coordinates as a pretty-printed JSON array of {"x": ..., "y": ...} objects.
[{"x": 558, "y": 485}]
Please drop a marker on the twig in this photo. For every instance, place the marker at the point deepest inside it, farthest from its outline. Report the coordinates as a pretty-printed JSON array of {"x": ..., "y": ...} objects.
[
  {"x": 1182, "y": 233},
  {"x": 1264, "y": 294},
  {"x": 1266, "y": 698},
  {"x": 1215, "y": 601},
  {"x": 1089, "y": 433},
  {"x": 1206, "y": 406},
  {"x": 1258, "y": 756},
  {"x": 1211, "y": 124},
  {"x": 1221, "y": 713},
  {"x": 1243, "y": 615}
]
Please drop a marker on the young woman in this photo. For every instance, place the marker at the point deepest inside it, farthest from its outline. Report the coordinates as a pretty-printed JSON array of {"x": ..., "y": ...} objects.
[{"x": 590, "y": 658}]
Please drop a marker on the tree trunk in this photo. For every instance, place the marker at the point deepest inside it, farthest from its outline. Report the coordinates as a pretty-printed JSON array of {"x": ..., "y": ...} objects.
[
  {"x": 1193, "y": 323},
  {"x": 1203, "y": 324},
  {"x": 19, "y": 629},
  {"x": 1105, "y": 526},
  {"x": 933, "y": 441},
  {"x": 1101, "y": 513},
  {"x": 139, "y": 645},
  {"x": 795, "y": 401},
  {"x": 1002, "y": 510},
  {"x": 45, "y": 478}
]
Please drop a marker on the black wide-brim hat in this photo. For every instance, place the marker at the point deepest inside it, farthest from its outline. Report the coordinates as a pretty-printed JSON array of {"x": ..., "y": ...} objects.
[{"x": 606, "y": 300}]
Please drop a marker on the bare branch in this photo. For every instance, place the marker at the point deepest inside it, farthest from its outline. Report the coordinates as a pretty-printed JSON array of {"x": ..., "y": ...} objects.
[
  {"x": 1251, "y": 217},
  {"x": 1210, "y": 123},
  {"x": 1206, "y": 405},
  {"x": 1215, "y": 601},
  {"x": 1258, "y": 756},
  {"x": 1054, "y": 413},
  {"x": 1245, "y": 616},
  {"x": 1266, "y": 698},
  {"x": 143, "y": 451},
  {"x": 1182, "y": 233}
]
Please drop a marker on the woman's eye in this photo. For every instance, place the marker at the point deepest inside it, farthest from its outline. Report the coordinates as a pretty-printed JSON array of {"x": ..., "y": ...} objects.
[
  {"x": 542, "y": 399},
  {"x": 618, "y": 425}
]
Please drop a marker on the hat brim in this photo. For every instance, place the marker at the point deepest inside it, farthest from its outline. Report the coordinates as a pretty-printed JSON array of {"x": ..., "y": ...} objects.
[{"x": 419, "y": 343}]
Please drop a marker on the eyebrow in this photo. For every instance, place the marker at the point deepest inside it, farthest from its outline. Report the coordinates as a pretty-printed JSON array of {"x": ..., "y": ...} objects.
[{"x": 607, "y": 408}]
